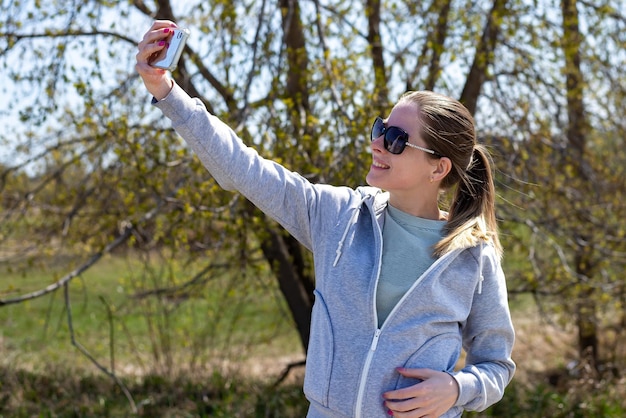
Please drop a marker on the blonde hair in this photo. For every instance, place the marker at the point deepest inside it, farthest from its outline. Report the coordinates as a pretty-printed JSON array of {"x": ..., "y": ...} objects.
[{"x": 448, "y": 128}]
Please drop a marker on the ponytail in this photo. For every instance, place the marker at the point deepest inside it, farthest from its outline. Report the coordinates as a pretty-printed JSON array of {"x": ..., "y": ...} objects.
[
  {"x": 447, "y": 127},
  {"x": 472, "y": 216}
]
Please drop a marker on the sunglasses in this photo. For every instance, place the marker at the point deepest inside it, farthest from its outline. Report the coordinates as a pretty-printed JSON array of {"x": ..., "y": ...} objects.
[{"x": 395, "y": 139}]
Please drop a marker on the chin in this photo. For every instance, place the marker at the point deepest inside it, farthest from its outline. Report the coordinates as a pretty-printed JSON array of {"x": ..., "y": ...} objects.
[{"x": 371, "y": 181}]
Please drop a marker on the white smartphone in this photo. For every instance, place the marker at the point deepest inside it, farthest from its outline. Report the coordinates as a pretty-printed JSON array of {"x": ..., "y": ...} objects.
[{"x": 174, "y": 51}]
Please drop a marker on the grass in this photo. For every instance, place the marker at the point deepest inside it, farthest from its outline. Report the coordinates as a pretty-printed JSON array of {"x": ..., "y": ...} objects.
[
  {"x": 217, "y": 350},
  {"x": 58, "y": 393},
  {"x": 228, "y": 316}
]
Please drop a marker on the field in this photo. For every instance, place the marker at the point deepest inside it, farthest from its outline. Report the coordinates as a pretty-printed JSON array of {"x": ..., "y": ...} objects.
[{"x": 217, "y": 350}]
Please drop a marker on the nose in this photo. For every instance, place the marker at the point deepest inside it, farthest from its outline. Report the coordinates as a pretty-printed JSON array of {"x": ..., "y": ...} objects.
[{"x": 378, "y": 144}]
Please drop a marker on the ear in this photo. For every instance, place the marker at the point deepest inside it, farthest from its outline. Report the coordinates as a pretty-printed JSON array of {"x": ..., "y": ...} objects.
[{"x": 441, "y": 168}]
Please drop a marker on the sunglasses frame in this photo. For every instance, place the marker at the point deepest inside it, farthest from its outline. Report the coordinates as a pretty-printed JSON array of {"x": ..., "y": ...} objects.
[{"x": 401, "y": 136}]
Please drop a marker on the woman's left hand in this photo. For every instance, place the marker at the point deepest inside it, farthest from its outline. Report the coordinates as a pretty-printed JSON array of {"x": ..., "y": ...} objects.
[{"x": 432, "y": 397}]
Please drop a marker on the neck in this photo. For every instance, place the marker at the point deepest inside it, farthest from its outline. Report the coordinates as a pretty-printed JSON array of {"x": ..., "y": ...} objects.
[{"x": 422, "y": 208}]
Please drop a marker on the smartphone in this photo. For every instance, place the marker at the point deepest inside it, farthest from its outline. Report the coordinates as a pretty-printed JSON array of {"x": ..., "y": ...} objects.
[{"x": 174, "y": 51}]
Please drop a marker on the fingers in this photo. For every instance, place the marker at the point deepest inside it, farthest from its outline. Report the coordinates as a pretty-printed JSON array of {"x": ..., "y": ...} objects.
[
  {"x": 410, "y": 391},
  {"x": 159, "y": 30},
  {"x": 410, "y": 409},
  {"x": 422, "y": 374},
  {"x": 154, "y": 41},
  {"x": 163, "y": 24},
  {"x": 407, "y": 405},
  {"x": 405, "y": 402},
  {"x": 432, "y": 396},
  {"x": 412, "y": 414}
]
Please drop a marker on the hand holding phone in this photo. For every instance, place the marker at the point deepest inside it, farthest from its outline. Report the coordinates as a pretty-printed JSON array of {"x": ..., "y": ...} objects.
[{"x": 173, "y": 51}]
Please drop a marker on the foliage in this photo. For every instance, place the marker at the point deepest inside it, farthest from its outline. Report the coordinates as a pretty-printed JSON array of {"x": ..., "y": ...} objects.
[{"x": 543, "y": 400}]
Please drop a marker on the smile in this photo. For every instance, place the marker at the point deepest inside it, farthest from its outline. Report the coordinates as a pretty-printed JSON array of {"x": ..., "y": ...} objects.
[{"x": 379, "y": 165}]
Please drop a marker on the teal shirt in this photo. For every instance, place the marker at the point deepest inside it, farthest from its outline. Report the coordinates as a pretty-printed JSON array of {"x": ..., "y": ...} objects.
[{"x": 407, "y": 253}]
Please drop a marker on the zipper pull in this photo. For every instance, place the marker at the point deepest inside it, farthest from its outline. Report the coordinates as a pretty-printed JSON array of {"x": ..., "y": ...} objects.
[{"x": 375, "y": 340}]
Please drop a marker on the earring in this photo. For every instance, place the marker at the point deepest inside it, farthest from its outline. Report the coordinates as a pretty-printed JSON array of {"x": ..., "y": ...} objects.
[{"x": 431, "y": 179}]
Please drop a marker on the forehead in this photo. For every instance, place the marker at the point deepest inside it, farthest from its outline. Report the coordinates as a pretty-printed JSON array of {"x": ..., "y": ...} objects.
[{"x": 405, "y": 115}]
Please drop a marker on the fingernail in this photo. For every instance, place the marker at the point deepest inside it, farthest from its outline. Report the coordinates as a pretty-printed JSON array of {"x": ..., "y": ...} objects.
[
  {"x": 166, "y": 30},
  {"x": 161, "y": 43},
  {"x": 390, "y": 412}
]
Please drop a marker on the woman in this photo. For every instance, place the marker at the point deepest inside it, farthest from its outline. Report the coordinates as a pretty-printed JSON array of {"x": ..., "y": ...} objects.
[{"x": 401, "y": 286}]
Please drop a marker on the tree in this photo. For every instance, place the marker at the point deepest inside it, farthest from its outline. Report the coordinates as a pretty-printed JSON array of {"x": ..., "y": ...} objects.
[
  {"x": 571, "y": 165},
  {"x": 90, "y": 162}
]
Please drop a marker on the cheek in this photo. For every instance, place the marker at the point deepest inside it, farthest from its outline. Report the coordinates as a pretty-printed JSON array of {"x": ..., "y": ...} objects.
[{"x": 412, "y": 174}]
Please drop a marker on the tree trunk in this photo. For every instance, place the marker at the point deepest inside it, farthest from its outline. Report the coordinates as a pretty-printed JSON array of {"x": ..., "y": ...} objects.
[
  {"x": 438, "y": 42},
  {"x": 381, "y": 92},
  {"x": 285, "y": 256},
  {"x": 297, "y": 59},
  {"x": 484, "y": 56},
  {"x": 586, "y": 309},
  {"x": 283, "y": 253}
]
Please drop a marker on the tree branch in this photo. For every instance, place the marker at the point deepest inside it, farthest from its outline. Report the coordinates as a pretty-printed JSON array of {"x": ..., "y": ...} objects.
[
  {"x": 86, "y": 353},
  {"x": 65, "y": 33},
  {"x": 126, "y": 232}
]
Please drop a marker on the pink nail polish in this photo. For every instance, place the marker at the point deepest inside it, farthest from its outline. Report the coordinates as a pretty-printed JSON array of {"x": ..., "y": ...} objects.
[
  {"x": 161, "y": 43},
  {"x": 390, "y": 412},
  {"x": 166, "y": 30}
]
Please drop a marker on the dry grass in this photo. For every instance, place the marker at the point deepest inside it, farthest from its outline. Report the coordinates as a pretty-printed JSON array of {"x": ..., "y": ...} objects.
[{"x": 540, "y": 347}]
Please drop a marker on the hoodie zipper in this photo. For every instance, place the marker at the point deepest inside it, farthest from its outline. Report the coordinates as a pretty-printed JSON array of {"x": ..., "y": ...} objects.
[{"x": 366, "y": 370}]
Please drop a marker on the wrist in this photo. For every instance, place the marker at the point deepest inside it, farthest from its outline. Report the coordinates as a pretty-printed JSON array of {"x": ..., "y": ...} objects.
[{"x": 163, "y": 89}]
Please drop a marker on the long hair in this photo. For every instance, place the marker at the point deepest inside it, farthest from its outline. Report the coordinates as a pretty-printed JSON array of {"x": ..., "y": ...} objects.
[{"x": 448, "y": 128}]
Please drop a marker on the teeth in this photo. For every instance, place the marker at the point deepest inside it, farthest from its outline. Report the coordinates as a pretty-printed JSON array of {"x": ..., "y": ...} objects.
[{"x": 379, "y": 165}]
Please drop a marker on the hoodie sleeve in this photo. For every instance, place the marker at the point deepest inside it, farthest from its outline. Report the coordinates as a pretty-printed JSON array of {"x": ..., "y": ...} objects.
[
  {"x": 282, "y": 194},
  {"x": 488, "y": 339}
]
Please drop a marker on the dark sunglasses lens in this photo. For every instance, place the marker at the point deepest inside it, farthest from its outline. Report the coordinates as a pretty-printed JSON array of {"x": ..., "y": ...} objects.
[
  {"x": 395, "y": 140},
  {"x": 377, "y": 129}
]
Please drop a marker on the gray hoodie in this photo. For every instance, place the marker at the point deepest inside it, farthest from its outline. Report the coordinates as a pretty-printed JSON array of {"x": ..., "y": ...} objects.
[{"x": 459, "y": 303}]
